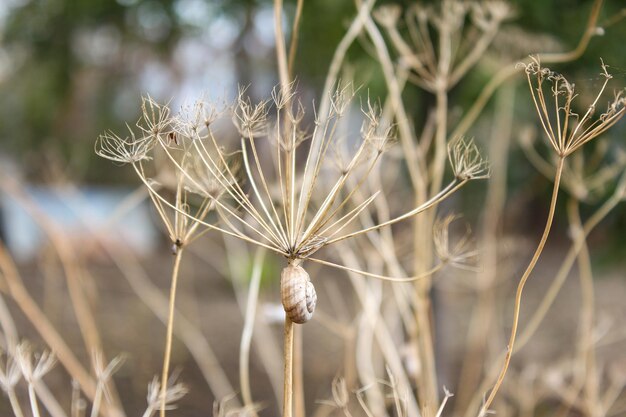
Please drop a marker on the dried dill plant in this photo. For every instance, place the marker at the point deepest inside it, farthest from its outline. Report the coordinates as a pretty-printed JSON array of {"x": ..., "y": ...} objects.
[
  {"x": 279, "y": 206},
  {"x": 567, "y": 132}
]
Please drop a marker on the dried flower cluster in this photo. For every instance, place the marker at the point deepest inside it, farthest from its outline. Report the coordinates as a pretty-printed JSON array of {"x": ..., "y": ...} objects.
[
  {"x": 438, "y": 64},
  {"x": 278, "y": 205},
  {"x": 566, "y": 130}
]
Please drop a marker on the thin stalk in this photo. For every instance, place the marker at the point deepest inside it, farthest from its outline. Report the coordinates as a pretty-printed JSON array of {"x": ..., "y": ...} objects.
[
  {"x": 33, "y": 400},
  {"x": 248, "y": 328},
  {"x": 73, "y": 273},
  {"x": 450, "y": 189},
  {"x": 441, "y": 117},
  {"x": 552, "y": 292},
  {"x": 586, "y": 351},
  {"x": 483, "y": 313},
  {"x": 281, "y": 50},
  {"x": 383, "y": 335},
  {"x": 288, "y": 369},
  {"x": 44, "y": 327},
  {"x": 424, "y": 255},
  {"x": 520, "y": 288},
  {"x": 298, "y": 374},
  {"x": 415, "y": 162},
  {"x": 52, "y": 405},
  {"x": 15, "y": 404},
  {"x": 267, "y": 348},
  {"x": 293, "y": 45},
  {"x": 97, "y": 400},
  {"x": 170, "y": 328}
]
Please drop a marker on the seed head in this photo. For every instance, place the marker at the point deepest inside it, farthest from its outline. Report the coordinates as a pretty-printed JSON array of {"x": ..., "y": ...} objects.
[
  {"x": 566, "y": 130},
  {"x": 126, "y": 150},
  {"x": 467, "y": 164}
]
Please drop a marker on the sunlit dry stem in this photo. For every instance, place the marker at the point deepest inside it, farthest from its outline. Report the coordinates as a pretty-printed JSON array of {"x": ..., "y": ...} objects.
[
  {"x": 538, "y": 315},
  {"x": 246, "y": 334},
  {"x": 170, "y": 328},
  {"x": 520, "y": 288},
  {"x": 288, "y": 369}
]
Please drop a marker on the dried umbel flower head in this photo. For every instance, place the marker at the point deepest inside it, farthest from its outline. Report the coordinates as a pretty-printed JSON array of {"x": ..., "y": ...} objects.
[
  {"x": 10, "y": 373},
  {"x": 466, "y": 161},
  {"x": 34, "y": 366},
  {"x": 284, "y": 206},
  {"x": 222, "y": 409},
  {"x": 173, "y": 392},
  {"x": 340, "y": 395},
  {"x": 554, "y": 96},
  {"x": 457, "y": 253},
  {"x": 127, "y": 150},
  {"x": 446, "y": 39}
]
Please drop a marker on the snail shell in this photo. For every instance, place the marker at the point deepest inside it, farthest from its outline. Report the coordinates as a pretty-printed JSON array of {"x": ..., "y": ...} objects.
[{"x": 297, "y": 293}]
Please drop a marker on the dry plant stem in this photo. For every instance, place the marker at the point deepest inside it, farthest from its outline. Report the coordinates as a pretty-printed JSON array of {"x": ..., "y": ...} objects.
[
  {"x": 15, "y": 404},
  {"x": 43, "y": 326},
  {"x": 189, "y": 334},
  {"x": 411, "y": 152},
  {"x": 165, "y": 202},
  {"x": 441, "y": 121},
  {"x": 293, "y": 46},
  {"x": 427, "y": 380},
  {"x": 281, "y": 52},
  {"x": 382, "y": 333},
  {"x": 520, "y": 288},
  {"x": 268, "y": 350},
  {"x": 423, "y": 256},
  {"x": 73, "y": 272},
  {"x": 170, "y": 327},
  {"x": 152, "y": 297},
  {"x": 298, "y": 373},
  {"x": 586, "y": 350},
  {"x": 71, "y": 267},
  {"x": 9, "y": 331},
  {"x": 34, "y": 407},
  {"x": 552, "y": 292},
  {"x": 248, "y": 328},
  {"x": 97, "y": 401},
  {"x": 507, "y": 72},
  {"x": 568, "y": 262},
  {"x": 288, "y": 369},
  {"x": 340, "y": 52},
  {"x": 365, "y": 362},
  {"x": 482, "y": 313},
  {"x": 49, "y": 402}
]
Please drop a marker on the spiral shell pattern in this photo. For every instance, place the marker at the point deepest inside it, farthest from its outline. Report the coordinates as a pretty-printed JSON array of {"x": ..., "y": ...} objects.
[{"x": 297, "y": 293}]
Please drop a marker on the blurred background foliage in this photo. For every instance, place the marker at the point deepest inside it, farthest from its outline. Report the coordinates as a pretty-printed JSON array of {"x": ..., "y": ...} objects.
[{"x": 70, "y": 69}]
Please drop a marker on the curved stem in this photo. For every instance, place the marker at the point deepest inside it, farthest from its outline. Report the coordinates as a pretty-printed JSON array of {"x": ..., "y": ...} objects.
[
  {"x": 170, "y": 328},
  {"x": 520, "y": 288},
  {"x": 248, "y": 328}
]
